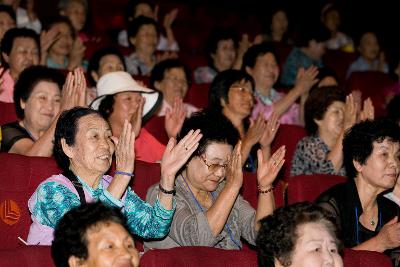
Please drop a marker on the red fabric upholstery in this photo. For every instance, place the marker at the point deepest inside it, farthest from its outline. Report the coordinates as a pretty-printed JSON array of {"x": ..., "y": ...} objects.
[
  {"x": 7, "y": 113},
  {"x": 32, "y": 256},
  {"x": 19, "y": 178},
  {"x": 282, "y": 51},
  {"x": 197, "y": 95},
  {"x": 198, "y": 256},
  {"x": 288, "y": 135},
  {"x": 156, "y": 126},
  {"x": 371, "y": 84},
  {"x": 249, "y": 190},
  {"x": 309, "y": 187},
  {"x": 339, "y": 62},
  {"x": 362, "y": 258}
]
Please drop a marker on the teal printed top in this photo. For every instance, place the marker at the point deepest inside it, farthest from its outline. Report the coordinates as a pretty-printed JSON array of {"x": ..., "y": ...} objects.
[{"x": 53, "y": 199}]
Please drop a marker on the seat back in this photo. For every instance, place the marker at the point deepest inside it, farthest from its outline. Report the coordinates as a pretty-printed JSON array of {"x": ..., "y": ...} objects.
[
  {"x": 287, "y": 135},
  {"x": 32, "y": 256},
  {"x": 372, "y": 84},
  {"x": 309, "y": 187},
  {"x": 361, "y": 258},
  {"x": 339, "y": 61},
  {"x": 7, "y": 113},
  {"x": 197, "y": 95},
  {"x": 198, "y": 256},
  {"x": 19, "y": 178},
  {"x": 156, "y": 126}
]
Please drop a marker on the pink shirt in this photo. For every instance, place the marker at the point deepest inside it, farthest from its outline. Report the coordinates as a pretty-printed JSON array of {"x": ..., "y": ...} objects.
[
  {"x": 7, "y": 88},
  {"x": 291, "y": 116},
  {"x": 188, "y": 107}
]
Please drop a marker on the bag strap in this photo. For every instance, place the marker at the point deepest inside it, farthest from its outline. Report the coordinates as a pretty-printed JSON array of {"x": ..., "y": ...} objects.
[{"x": 77, "y": 184}]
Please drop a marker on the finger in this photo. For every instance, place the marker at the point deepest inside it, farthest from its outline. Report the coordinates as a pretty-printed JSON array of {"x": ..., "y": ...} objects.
[
  {"x": 192, "y": 140},
  {"x": 171, "y": 144},
  {"x": 260, "y": 157},
  {"x": 115, "y": 140}
]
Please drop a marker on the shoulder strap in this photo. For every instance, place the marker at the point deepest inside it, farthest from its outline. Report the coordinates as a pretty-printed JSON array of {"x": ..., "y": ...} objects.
[{"x": 77, "y": 184}]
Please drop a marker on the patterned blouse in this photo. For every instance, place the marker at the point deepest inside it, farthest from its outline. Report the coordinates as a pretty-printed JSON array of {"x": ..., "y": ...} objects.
[
  {"x": 56, "y": 196},
  {"x": 310, "y": 158}
]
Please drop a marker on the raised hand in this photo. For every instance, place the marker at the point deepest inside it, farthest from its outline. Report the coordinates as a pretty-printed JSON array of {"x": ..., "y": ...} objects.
[
  {"x": 268, "y": 170},
  {"x": 176, "y": 155},
  {"x": 47, "y": 39},
  {"x": 234, "y": 172},
  {"x": 256, "y": 130},
  {"x": 80, "y": 84},
  {"x": 306, "y": 78},
  {"x": 389, "y": 235},
  {"x": 74, "y": 90},
  {"x": 76, "y": 55},
  {"x": 175, "y": 117},
  {"x": 270, "y": 131},
  {"x": 170, "y": 18},
  {"x": 350, "y": 112},
  {"x": 125, "y": 149},
  {"x": 136, "y": 118},
  {"x": 368, "y": 111}
]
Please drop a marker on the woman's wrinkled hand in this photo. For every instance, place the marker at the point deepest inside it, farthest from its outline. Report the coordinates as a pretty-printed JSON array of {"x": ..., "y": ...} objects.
[
  {"x": 270, "y": 131},
  {"x": 125, "y": 149},
  {"x": 256, "y": 130},
  {"x": 174, "y": 118},
  {"x": 389, "y": 236},
  {"x": 74, "y": 90},
  {"x": 234, "y": 172},
  {"x": 268, "y": 170},
  {"x": 368, "y": 111},
  {"x": 350, "y": 112},
  {"x": 136, "y": 118},
  {"x": 306, "y": 78}
]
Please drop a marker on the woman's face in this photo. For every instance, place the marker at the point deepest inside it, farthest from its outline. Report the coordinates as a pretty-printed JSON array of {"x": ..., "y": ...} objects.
[
  {"x": 369, "y": 47},
  {"x": 145, "y": 10},
  {"x": 315, "y": 247},
  {"x": 42, "y": 106},
  {"x": 109, "y": 63},
  {"x": 76, "y": 13},
  {"x": 65, "y": 40},
  {"x": 110, "y": 245},
  {"x": 145, "y": 40},
  {"x": 381, "y": 169},
  {"x": 200, "y": 176},
  {"x": 332, "y": 20},
  {"x": 6, "y": 23},
  {"x": 24, "y": 53},
  {"x": 240, "y": 100},
  {"x": 125, "y": 106},
  {"x": 265, "y": 72},
  {"x": 279, "y": 22},
  {"x": 225, "y": 55},
  {"x": 332, "y": 120},
  {"x": 173, "y": 85},
  {"x": 93, "y": 149}
]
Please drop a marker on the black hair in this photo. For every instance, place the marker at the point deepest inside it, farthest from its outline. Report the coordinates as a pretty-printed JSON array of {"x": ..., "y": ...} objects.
[
  {"x": 9, "y": 37},
  {"x": 131, "y": 8},
  {"x": 27, "y": 81},
  {"x": 221, "y": 85},
  {"x": 214, "y": 127},
  {"x": 315, "y": 32},
  {"x": 58, "y": 20},
  {"x": 318, "y": 102},
  {"x": 158, "y": 72},
  {"x": 217, "y": 35},
  {"x": 358, "y": 142},
  {"x": 67, "y": 128},
  {"x": 135, "y": 25},
  {"x": 94, "y": 62},
  {"x": 106, "y": 106},
  {"x": 9, "y": 10},
  {"x": 255, "y": 51},
  {"x": 70, "y": 234},
  {"x": 279, "y": 232}
]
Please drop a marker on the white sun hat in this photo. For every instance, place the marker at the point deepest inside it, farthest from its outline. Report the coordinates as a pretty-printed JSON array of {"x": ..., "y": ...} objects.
[{"x": 117, "y": 82}]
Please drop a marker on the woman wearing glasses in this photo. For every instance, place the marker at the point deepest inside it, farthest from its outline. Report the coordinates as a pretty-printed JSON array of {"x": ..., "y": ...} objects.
[{"x": 209, "y": 211}]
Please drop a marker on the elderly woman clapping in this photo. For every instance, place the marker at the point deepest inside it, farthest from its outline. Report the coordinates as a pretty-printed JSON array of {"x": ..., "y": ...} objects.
[{"x": 84, "y": 147}]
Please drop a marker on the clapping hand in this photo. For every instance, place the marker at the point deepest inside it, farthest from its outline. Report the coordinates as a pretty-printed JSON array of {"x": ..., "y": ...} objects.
[
  {"x": 306, "y": 78},
  {"x": 136, "y": 118},
  {"x": 270, "y": 131},
  {"x": 268, "y": 170},
  {"x": 74, "y": 90},
  {"x": 175, "y": 117},
  {"x": 125, "y": 149},
  {"x": 234, "y": 172},
  {"x": 368, "y": 111},
  {"x": 350, "y": 112},
  {"x": 256, "y": 130}
]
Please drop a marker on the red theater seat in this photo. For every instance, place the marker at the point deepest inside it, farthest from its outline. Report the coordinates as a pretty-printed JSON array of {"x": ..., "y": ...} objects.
[
  {"x": 197, "y": 95},
  {"x": 363, "y": 258},
  {"x": 7, "y": 113},
  {"x": 156, "y": 126},
  {"x": 198, "y": 257},
  {"x": 19, "y": 178},
  {"x": 339, "y": 62},
  {"x": 309, "y": 187},
  {"x": 32, "y": 256}
]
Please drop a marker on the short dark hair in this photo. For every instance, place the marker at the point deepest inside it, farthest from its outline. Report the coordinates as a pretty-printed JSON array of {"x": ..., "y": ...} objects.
[
  {"x": 135, "y": 25},
  {"x": 27, "y": 81},
  {"x": 70, "y": 234},
  {"x": 221, "y": 85},
  {"x": 317, "y": 104},
  {"x": 67, "y": 128},
  {"x": 158, "y": 72},
  {"x": 214, "y": 127},
  {"x": 220, "y": 34},
  {"x": 7, "y": 42},
  {"x": 279, "y": 232},
  {"x": 57, "y": 20},
  {"x": 358, "y": 141},
  {"x": 9, "y": 10},
  {"x": 131, "y": 8},
  {"x": 106, "y": 106},
  {"x": 255, "y": 51},
  {"x": 311, "y": 32},
  {"x": 94, "y": 62}
]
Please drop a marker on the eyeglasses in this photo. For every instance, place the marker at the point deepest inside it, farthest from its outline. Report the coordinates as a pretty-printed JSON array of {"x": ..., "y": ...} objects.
[
  {"x": 213, "y": 167},
  {"x": 242, "y": 89}
]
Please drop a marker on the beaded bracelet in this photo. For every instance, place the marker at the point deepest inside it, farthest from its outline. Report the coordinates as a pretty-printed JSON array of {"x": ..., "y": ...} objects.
[
  {"x": 171, "y": 192},
  {"x": 265, "y": 191},
  {"x": 124, "y": 173}
]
